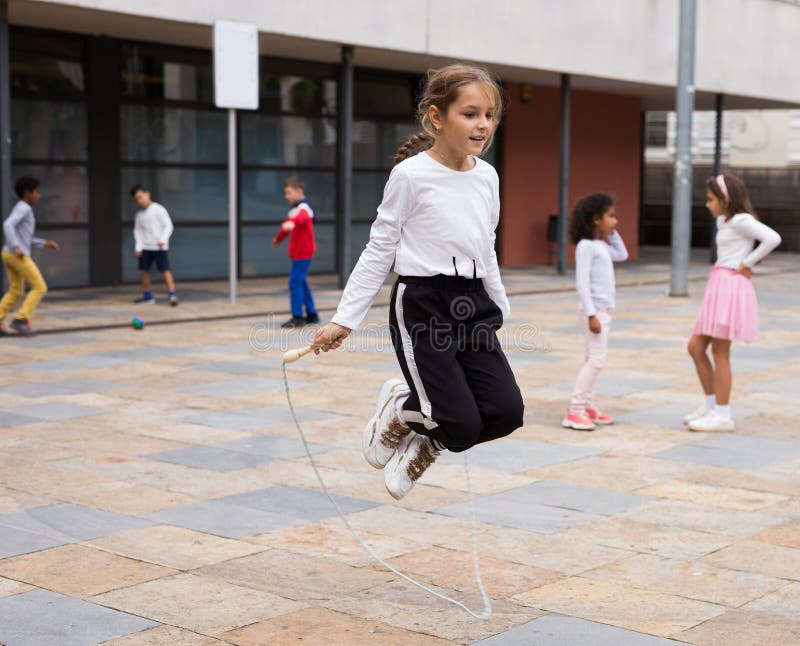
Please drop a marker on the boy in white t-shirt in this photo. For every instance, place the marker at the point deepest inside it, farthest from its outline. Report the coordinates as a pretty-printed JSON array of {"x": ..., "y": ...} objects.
[{"x": 151, "y": 231}]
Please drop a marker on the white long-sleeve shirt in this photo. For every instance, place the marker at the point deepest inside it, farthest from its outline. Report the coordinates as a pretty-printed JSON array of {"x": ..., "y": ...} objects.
[
  {"x": 594, "y": 271},
  {"x": 151, "y": 226},
  {"x": 735, "y": 238},
  {"x": 18, "y": 229},
  {"x": 432, "y": 220}
]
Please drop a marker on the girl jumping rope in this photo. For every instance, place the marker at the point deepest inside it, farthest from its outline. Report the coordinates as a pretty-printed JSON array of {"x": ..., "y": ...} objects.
[
  {"x": 437, "y": 223},
  {"x": 593, "y": 230},
  {"x": 729, "y": 309}
]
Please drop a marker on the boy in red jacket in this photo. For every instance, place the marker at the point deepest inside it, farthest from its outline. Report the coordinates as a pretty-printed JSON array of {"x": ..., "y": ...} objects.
[{"x": 299, "y": 226}]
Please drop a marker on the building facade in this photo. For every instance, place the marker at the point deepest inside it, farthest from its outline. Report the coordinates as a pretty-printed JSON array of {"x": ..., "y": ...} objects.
[{"x": 108, "y": 93}]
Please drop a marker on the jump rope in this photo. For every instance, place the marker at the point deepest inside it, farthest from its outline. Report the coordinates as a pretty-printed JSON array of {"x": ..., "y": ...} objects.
[{"x": 290, "y": 357}]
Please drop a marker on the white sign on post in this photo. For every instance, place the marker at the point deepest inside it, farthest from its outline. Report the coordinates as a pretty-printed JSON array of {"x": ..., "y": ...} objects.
[{"x": 235, "y": 87}]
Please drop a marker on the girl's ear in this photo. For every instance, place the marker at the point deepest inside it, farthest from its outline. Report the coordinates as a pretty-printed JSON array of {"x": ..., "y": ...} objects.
[{"x": 435, "y": 117}]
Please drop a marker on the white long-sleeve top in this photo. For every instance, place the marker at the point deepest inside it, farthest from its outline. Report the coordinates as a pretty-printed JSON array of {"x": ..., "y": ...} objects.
[
  {"x": 594, "y": 271},
  {"x": 432, "y": 220},
  {"x": 735, "y": 239},
  {"x": 18, "y": 229},
  {"x": 151, "y": 226}
]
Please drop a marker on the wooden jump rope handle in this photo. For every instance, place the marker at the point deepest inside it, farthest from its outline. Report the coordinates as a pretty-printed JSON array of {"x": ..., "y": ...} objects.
[{"x": 293, "y": 355}]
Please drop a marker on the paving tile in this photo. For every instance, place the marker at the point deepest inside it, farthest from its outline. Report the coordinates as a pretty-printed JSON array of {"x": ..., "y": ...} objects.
[
  {"x": 79, "y": 571},
  {"x": 522, "y": 514},
  {"x": 330, "y": 539},
  {"x": 16, "y": 541},
  {"x": 212, "y": 458},
  {"x": 744, "y": 628},
  {"x": 163, "y": 636},
  {"x": 726, "y": 497},
  {"x": 781, "y": 386},
  {"x": 9, "y": 418},
  {"x": 239, "y": 367},
  {"x": 274, "y": 447},
  {"x": 175, "y": 547},
  {"x": 68, "y": 523},
  {"x": 560, "y": 630},
  {"x": 204, "y": 605},
  {"x": 512, "y": 455},
  {"x": 73, "y": 364},
  {"x": 762, "y": 558},
  {"x": 618, "y": 386},
  {"x": 687, "y": 579},
  {"x": 56, "y": 411},
  {"x": 569, "y": 496},
  {"x": 234, "y": 387},
  {"x": 44, "y": 617},
  {"x": 296, "y": 576},
  {"x": 304, "y": 504},
  {"x": 402, "y": 605},
  {"x": 455, "y": 569},
  {"x": 59, "y": 387},
  {"x": 9, "y": 587},
  {"x": 786, "y": 535},
  {"x": 220, "y": 419},
  {"x": 640, "y": 610},
  {"x": 734, "y": 451},
  {"x": 224, "y": 519},
  {"x": 323, "y": 626}
]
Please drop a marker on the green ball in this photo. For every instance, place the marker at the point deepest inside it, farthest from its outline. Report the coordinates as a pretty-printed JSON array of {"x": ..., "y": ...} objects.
[{"x": 137, "y": 323}]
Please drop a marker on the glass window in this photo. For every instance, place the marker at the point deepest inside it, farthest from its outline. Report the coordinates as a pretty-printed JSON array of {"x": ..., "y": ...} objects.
[
  {"x": 260, "y": 258},
  {"x": 165, "y": 134},
  {"x": 194, "y": 252},
  {"x": 384, "y": 97},
  {"x": 68, "y": 267},
  {"x": 64, "y": 193},
  {"x": 375, "y": 143},
  {"x": 188, "y": 194},
  {"x": 48, "y": 130},
  {"x": 288, "y": 141},
  {"x": 297, "y": 94},
  {"x": 262, "y": 194},
  {"x": 153, "y": 74},
  {"x": 44, "y": 74},
  {"x": 367, "y": 193},
  {"x": 656, "y": 128}
]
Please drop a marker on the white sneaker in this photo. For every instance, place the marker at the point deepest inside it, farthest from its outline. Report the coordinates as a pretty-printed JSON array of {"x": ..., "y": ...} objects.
[
  {"x": 697, "y": 413},
  {"x": 384, "y": 432},
  {"x": 713, "y": 422},
  {"x": 415, "y": 454}
]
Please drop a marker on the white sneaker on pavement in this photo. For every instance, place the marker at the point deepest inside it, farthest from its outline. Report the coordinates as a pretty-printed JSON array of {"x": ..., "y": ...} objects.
[
  {"x": 713, "y": 422},
  {"x": 697, "y": 413},
  {"x": 384, "y": 432}
]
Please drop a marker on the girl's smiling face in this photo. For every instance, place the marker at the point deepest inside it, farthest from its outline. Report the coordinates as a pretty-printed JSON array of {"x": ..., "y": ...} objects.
[{"x": 468, "y": 123}]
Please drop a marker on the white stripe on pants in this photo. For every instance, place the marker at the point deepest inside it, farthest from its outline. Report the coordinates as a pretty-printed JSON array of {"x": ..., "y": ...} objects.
[{"x": 595, "y": 359}]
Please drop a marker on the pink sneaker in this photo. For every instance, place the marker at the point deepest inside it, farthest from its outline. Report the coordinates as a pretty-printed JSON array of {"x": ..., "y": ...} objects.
[
  {"x": 577, "y": 421},
  {"x": 598, "y": 417}
]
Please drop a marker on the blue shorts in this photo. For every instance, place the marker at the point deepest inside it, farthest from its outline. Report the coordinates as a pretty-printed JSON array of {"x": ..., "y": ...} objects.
[{"x": 160, "y": 257}]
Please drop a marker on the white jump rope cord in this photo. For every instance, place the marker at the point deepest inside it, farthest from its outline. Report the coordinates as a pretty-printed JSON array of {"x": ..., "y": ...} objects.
[{"x": 487, "y": 603}]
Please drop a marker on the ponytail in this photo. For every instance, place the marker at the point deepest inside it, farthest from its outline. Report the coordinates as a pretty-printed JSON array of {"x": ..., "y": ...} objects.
[{"x": 416, "y": 143}]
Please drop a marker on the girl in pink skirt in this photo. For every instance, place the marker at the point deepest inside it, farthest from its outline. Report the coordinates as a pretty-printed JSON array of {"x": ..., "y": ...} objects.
[{"x": 729, "y": 309}]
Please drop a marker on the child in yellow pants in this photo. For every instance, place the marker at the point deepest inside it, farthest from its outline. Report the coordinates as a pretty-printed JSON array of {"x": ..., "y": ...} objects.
[{"x": 18, "y": 231}]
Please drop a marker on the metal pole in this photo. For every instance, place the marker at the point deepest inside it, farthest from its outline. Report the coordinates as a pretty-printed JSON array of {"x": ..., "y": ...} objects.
[
  {"x": 232, "y": 168},
  {"x": 712, "y": 222},
  {"x": 344, "y": 190},
  {"x": 563, "y": 175},
  {"x": 682, "y": 187},
  {"x": 5, "y": 115}
]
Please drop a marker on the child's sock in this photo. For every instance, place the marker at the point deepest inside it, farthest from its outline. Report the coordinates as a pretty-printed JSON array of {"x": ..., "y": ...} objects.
[
  {"x": 711, "y": 401},
  {"x": 172, "y": 293},
  {"x": 723, "y": 411},
  {"x": 148, "y": 294}
]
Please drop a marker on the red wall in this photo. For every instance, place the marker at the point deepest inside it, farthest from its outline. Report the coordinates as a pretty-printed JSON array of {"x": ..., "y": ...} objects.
[{"x": 605, "y": 149}]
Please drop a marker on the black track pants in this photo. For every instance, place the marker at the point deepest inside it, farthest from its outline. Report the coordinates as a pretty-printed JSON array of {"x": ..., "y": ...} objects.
[{"x": 462, "y": 389}]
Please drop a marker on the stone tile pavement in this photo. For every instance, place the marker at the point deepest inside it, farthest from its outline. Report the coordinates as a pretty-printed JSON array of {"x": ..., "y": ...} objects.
[{"x": 153, "y": 488}]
